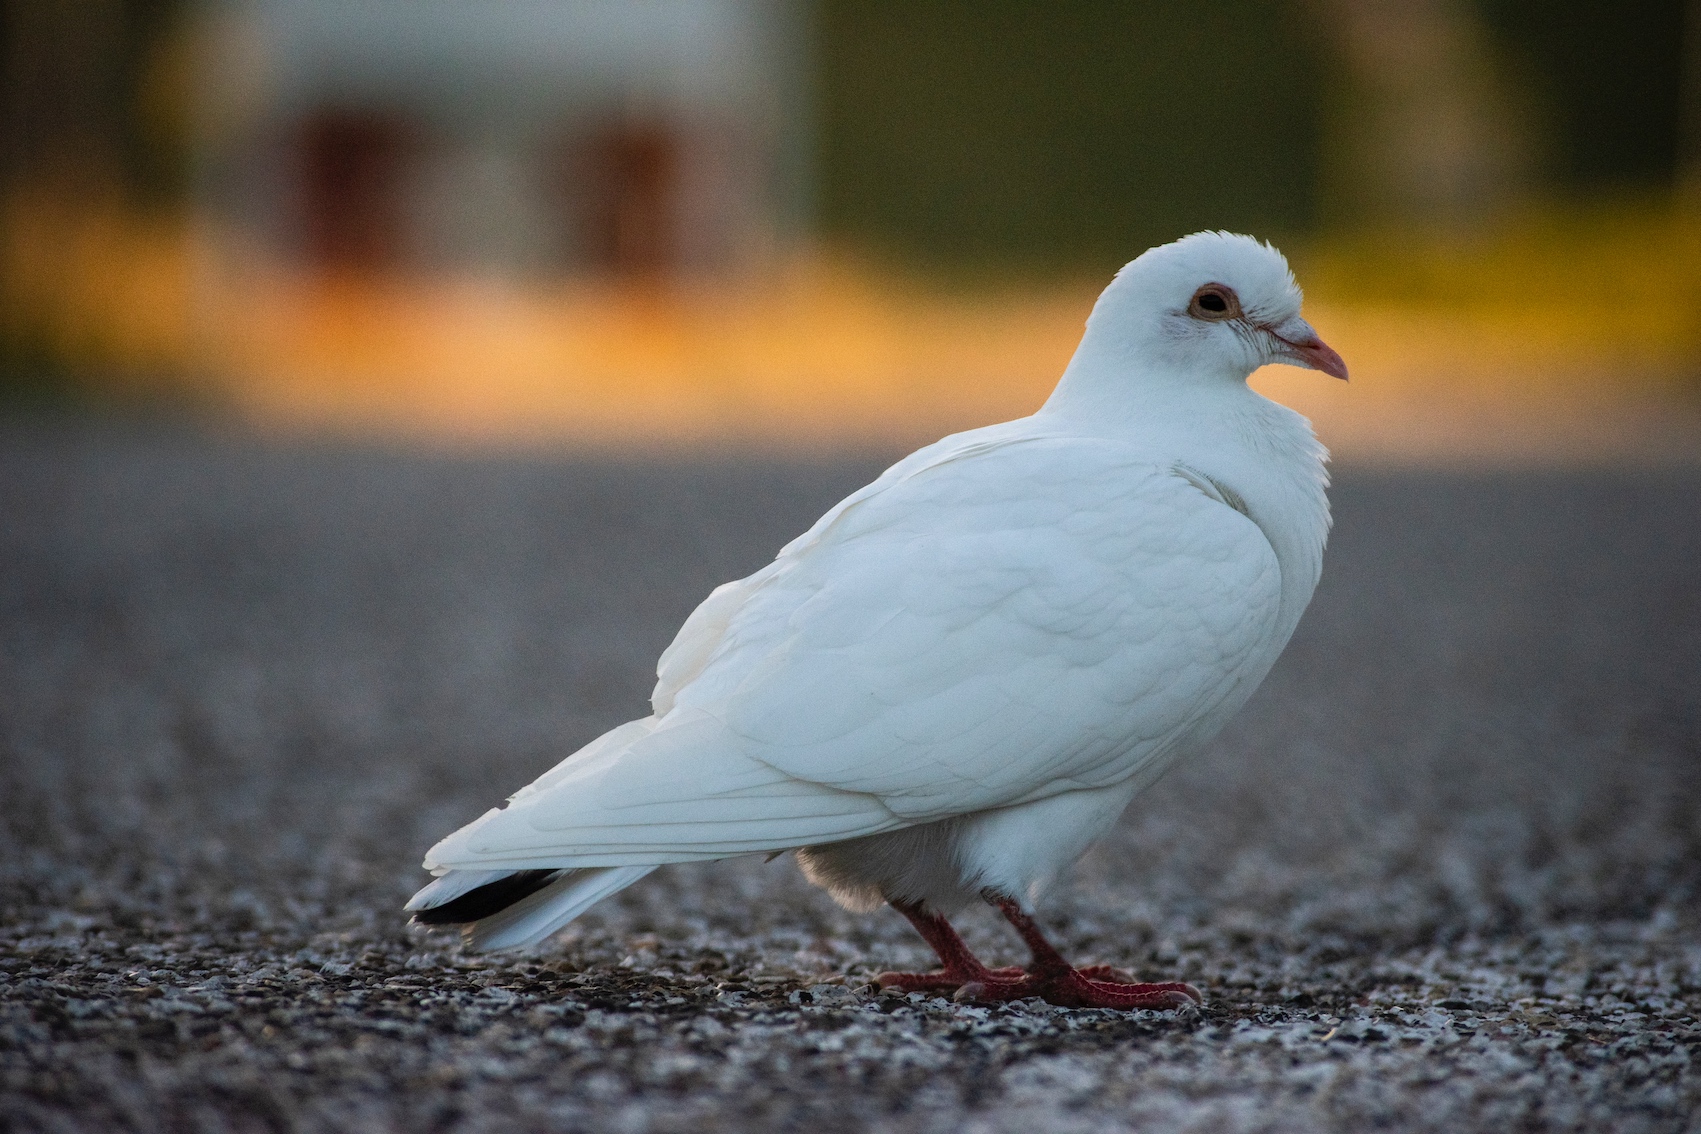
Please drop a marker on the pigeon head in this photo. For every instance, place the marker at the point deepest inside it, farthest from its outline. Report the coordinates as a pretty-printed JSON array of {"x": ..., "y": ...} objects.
[{"x": 1213, "y": 303}]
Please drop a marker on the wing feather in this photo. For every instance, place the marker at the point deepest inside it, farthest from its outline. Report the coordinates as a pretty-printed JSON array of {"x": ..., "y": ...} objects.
[{"x": 994, "y": 621}]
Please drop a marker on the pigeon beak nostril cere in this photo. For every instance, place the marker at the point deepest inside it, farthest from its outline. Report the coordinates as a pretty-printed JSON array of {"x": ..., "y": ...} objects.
[{"x": 1298, "y": 343}]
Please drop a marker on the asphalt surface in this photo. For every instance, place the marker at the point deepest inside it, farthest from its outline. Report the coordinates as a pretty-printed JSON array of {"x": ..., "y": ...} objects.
[{"x": 1442, "y": 874}]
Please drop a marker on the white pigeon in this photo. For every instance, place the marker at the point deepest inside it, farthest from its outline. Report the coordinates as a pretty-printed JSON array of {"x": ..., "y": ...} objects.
[{"x": 952, "y": 685}]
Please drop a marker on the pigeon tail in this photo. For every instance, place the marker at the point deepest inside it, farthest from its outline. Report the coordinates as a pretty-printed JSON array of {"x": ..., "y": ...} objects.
[
  {"x": 510, "y": 910},
  {"x": 464, "y": 896}
]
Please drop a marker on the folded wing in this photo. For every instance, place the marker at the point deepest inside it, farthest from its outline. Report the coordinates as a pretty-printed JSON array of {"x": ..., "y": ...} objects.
[{"x": 998, "y": 621}]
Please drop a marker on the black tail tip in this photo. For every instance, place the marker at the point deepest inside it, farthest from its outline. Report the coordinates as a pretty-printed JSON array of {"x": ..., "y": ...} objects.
[{"x": 491, "y": 898}]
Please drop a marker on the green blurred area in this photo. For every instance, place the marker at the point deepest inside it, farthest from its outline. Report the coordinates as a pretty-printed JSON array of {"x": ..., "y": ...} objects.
[
  {"x": 1609, "y": 81},
  {"x": 89, "y": 98},
  {"x": 1063, "y": 135},
  {"x": 1071, "y": 135}
]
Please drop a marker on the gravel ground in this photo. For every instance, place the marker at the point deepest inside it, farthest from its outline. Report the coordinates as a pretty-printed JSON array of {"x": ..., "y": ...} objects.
[{"x": 1442, "y": 874}]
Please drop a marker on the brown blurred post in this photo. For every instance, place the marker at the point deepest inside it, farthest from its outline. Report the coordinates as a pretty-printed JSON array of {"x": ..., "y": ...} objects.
[
  {"x": 630, "y": 193},
  {"x": 352, "y": 169}
]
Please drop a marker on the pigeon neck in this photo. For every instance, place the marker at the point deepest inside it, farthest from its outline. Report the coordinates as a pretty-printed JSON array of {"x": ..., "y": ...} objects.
[{"x": 1102, "y": 391}]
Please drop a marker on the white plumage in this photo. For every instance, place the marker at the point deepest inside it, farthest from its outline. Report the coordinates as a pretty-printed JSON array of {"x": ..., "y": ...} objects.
[{"x": 953, "y": 684}]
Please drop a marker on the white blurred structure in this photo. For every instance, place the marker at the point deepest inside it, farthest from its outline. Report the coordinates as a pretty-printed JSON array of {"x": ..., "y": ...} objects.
[
  {"x": 1438, "y": 131},
  {"x": 647, "y": 138}
]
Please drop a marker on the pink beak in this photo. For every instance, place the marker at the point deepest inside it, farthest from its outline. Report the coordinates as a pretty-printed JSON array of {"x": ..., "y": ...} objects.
[{"x": 1301, "y": 346}]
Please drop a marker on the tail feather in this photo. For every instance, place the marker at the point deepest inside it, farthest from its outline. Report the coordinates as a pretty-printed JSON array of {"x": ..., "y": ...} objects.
[
  {"x": 452, "y": 884},
  {"x": 509, "y": 909},
  {"x": 453, "y": 900},
  {"x": 533, "y": 918}
]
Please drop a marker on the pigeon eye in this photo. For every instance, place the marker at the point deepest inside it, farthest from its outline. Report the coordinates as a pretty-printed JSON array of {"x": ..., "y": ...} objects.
[{"x": 1214, "y": 302}]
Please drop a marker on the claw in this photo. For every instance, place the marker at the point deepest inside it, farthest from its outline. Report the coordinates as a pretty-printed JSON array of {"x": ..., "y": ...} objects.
[
  {"x": 971, "y": 993},
  {"x": 1087, "y": 993}
]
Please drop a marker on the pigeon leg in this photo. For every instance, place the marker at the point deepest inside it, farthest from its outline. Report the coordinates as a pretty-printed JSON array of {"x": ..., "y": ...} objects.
[
  {"x": 961, "y": 967},
  {"x": 1054, "y": 980}
]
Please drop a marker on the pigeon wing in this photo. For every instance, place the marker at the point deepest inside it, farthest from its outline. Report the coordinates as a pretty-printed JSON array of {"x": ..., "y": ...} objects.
[
  {"x": 1057, "y": 617},
  {"x": 1001, "y": 621}
]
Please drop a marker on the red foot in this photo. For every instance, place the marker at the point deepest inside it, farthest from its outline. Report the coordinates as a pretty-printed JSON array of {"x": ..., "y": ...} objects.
[
  {"x": 1070, "y": 989},
  {"x": 1073, "y": 988},
  {"x": 1050, "y": 978}
]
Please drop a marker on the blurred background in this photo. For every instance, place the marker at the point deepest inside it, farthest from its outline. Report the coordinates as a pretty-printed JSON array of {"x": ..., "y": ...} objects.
[{"x": 841, "y": 224}]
